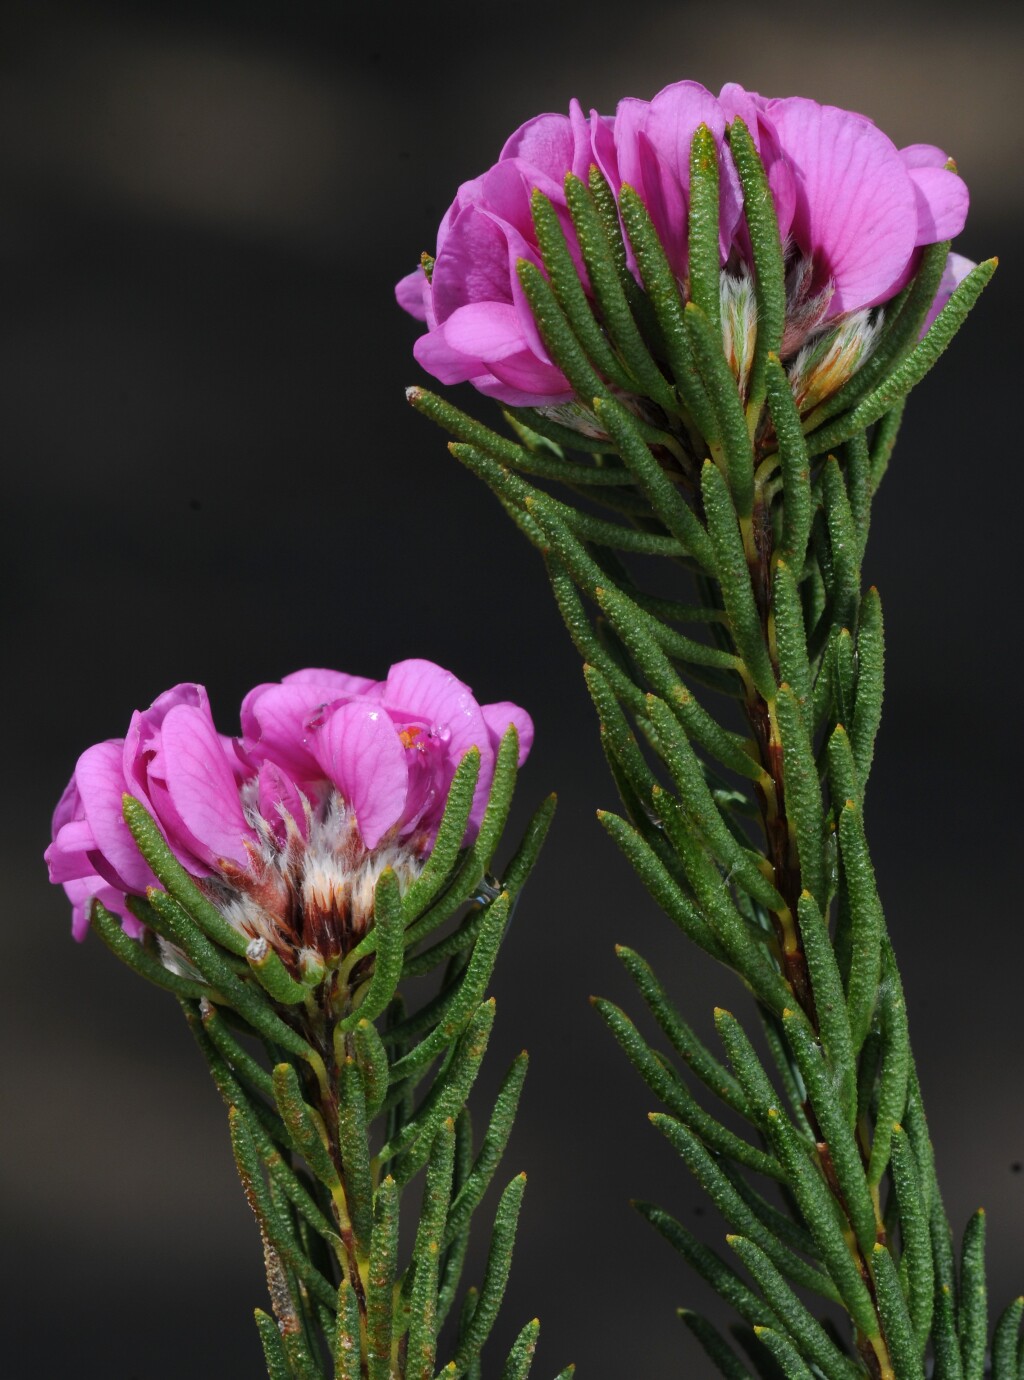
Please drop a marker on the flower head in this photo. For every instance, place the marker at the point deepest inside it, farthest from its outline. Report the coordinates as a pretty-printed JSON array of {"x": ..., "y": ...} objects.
[
  {"x": 854, "y": 213},
  {"x": 288, "y": 827}
]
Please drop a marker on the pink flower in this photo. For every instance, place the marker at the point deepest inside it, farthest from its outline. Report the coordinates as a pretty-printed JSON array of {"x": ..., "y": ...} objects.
[
  {"x": 853, "y": 210},
  {"x": 956, "y": 270},
  {"x": 480, "y": 325},
  {"x": 389, "y": 747},
  {"x": 335, "y": 778}
]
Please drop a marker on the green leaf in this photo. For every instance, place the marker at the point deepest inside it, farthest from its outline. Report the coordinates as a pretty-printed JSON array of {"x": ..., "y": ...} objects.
[
  {"x": 897, "y": 1060},
  {"x": 662, "y": 290},
  {"x": 835, "y": 1127},
  {"x": 445, "y": 1099},
  {"x": 972, "y": 1323},
  {"x": 559, "y": 341},
  {"x": 273, "y": 1225},
  {"x": 798, "y": 502},
  {"x": 766, "y": 247},
  {"x": 743, "y": 943},
  {"x": 866, "y": 920},
  {"x": 707, "y": 1068},
  {"x": 304, "y": 1125},
  {"x": 459, "y": 1007},
  {"x": 883, "y": 442},
  {"x": 499, "y": 800},
  {"x": 829, "y": 1002},
  {"x": 727, "y": 747},
  {"x": 421, "y": 1350},
  {"x": 466, "y": 428},
  {"x": 491, "y": 1150},
  {"x": 948, "y": 1365},
  {"x": 867, "y": 711},
  {"x": 347, "y": 1347},
  {"x": 899, "y": 381},
  {"x": 845, "y": 546},
  {"x": 702, "y": 811},
  {"x": 273, "y": 1351},
  {"x": 389, "y": 955},
  {"x": 824, "y": 1219},
  {"x": 710, "y": 1266},
  {"x": 499, "y": 1262},
  {"x": 381, "y": 1279},
  {"x": 444, "y": 855},
  {"x": 789, "y": 1073},
  {"x": 802, "y": 791},
  {"x": 702, "y": 223},
  {"x": 355, "y": 1155},
  {"x": 133, "y": 953},
  {"x": 779, "y": 1223},
  {"x": 732, "y": 1207},
  {"x": 248, "y": 1002},
  {"x": 787, "y": 624},
  {"x": 176, "y": 881},
  {"x": 785, "y": 1353},
  {"x": 716, "y": 1347},
  {"x": 269, "y": 971},
  {"x": 269, "y": 1153},
  {"x": 1004, "y": 1344},
  {"x": 664, "y": 498},
  {"x": 857, "y": 469},
  {"x": 371, "y": 1056},
  {"x": 904, "y": 320},
  {"x": 240, "y": 1060},
  {"x": 662, "y": 887},
  {"x": 521, "y": 863},
  {"x": 899, "y": 1335},
  {"x": 731, "y": 440},
  {"x": 734, "y": 577},
  {"x": 607, "y": 286},
  {"x": 804, "y": 1329},
  {"x": 520, "y": 1358},
  {"x": 756, "y": 1084},
  {"x": 565, "y": 282},
  {"x": 843, "y": 777},
  {"x": 677, "y": 1098},
  {"x": 916, "y": 1242}
]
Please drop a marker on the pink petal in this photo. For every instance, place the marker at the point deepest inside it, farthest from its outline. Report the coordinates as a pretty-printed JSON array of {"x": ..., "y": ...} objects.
[
  {"x": 410, "y": 292},
  {"x": 278, "y": 795},
  {"x": 542, "y": 396},
  {"x": 487, "y": 331},
  {"x": 751, "y": 109},
  {"x": 923, "y": 156},
  {"x": 473, "y": 266},
  {"x": 942, "y": 202},
  {"x": 422, "y": 691},
  {"x": 338, "y": 683},
  {"x": 87, "y": 889},
  {"x": 956, "y": 270},
  {"x": 486, "y": 339},
  {"x": 101, "y": 781},
  {"x": 856, "y": 211},
  {"x": 546, "y": 142},
  {"x": 68, "y": 855},
  {"x": 202, "y": 788},
  {"x": 360, "y": 751},
  {"x": 276, "y": 724},
  {"x": 143, "y": 734},
  {"x": 525, "y": 375},
  {"x": 498, "y": 716}
]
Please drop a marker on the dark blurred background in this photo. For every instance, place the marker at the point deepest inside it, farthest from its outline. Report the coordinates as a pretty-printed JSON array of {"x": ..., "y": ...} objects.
[{"x": 211, "y": 474}]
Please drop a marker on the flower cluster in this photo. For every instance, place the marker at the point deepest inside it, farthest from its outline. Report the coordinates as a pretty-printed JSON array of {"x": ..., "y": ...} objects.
[
  {"x": 288, "y": 827},
  {"x": 853, "y": 210}
]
